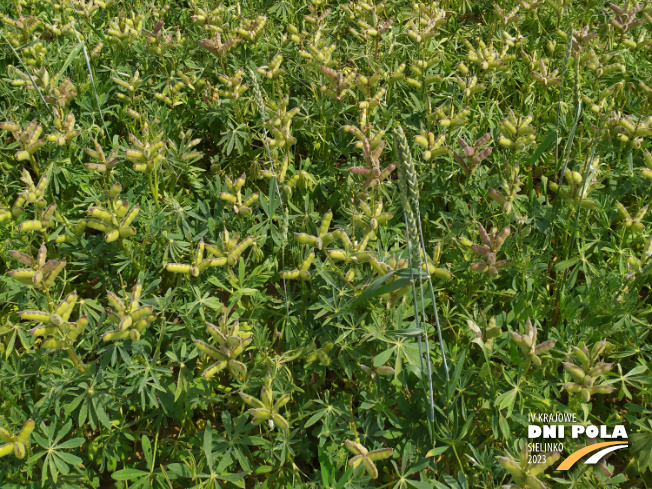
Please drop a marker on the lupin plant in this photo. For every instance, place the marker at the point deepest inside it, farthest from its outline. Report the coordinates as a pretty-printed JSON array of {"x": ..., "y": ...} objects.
[
  {"x": 485, "y": 336},
  {"x": 60, "y": 97},
  {"x": 273, "y": 70},
  {"x": 318, "y": 14},
  {"x": 431, "y": 265},
  {"x": 232, "y": 247},
  {"x": 234, "y": 196},
  {"x": 365, "y": 458},
  {"x": 629, "y": 130},
  {"x": 367, "y": 16},
  {"x": 34, "y": 194},
  {"x": 28, "y": 139},
  {"x": 230, "y": 345},
  {"x": 321, "y": 354},
  {"x": 370, "y": 219},
  {"x": 424, "y": 21},
  {"x": 252, "y": 29},
  {"x": 511, "y": 185},
  {"x": 317, "y": 52},
  {"x": 374, "y": 372},
  {"x": 41, "y": 272},
  {"x": 354, "y": 252},
  {"x": 448, "y": 116},
  {"x": 149, "y": 154},
  {"x": 172, "y": 94},
  {"x": 340, "y": 83},
  {"x": 66, "y": 131},
  {"x": 130, "y": 86},
  {"x": 124, "y": 29},
  {"x": 372, "y": 147},
  {"x": 469, "y": 86},
  {"x": 632, "y": 224},
  {"x": 486, "y": 58},
  {"x": 432, "y": 147},
  {"x": 577, "y": 189},
  {"x": 472, "y": 156},
  {"x": 114, "y": 219},
  {"x": 158, "y": 41},
  {"x": 234, "y": 86},
  {"x": 35, "y": 55},
  {"x": 16, "y": 443},
  {"x": 420, "y": 69},
  {"x": 280, "y": 125},
  {"x": 626, "y": 19},
  {"x": 302, "y": 272},
  {"x": 647, "y": 158},
  {"x": 22, "y": 29},
  {"x": 528, "y": 344},
  {"x": 104, "y": 165},
  {"x": 586, "y": 376},
  {"x": 646, "y": 257},
  {"x": 37, "y": 80},
  {"x": 323, "y": 238},
  {"x": 210, "y": 20},
  {"x": 55, "y": 327},
  {"x": 199, "y": 263},
  {"x": 130, "y": 317},
  {"x": 526, "y": 473},
  {"x": 516, "y": 132},
  {"x": 492, "y": 242},
  {"x": 507, "y": 18},
  {"x": 267, "y": 410},
  {"x": 547, "y": 79}
]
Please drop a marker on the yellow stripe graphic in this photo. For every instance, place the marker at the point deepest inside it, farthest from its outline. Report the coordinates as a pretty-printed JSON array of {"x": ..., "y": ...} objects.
[{"x": 575, "y": 456}]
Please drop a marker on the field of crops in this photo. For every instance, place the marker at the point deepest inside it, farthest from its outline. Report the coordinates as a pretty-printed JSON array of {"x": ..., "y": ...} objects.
[{"x": 319, "y": 244}]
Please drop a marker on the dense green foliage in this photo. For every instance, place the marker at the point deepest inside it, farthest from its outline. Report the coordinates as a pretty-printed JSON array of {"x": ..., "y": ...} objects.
[{"x": 347, "y": 245}]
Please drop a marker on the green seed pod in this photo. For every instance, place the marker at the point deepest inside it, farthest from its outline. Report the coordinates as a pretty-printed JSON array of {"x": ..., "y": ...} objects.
[
  {"x": 304, "y": 238},
  {"x": 126, "y": 323},
  {"x": 134, "y": 335},
  {"x": 43, "y": 330},
  {"x": 26, "y": 431},
  {"x": 306, "y": 263},
  {"x": 6, "y": 449},
  {"x": 141, "y": 312},
  {"x": 228, "y": 197},
  {"x": 121, "y": 208},
  {"x": 52, "y": 344},
  {"x": 178, "y": 268},
  {"x": 19, "y": 450},
  {"x": 325, "y": 224},
  {"x": 31, "y": 226},
  {"x": 290, "y": 274},
  {"x": 337, "y": 255},
  {"x": 112, "y": 236},
  {"x": 131, "y": 216},
  {"x": 100, "y": 213},
  {"x": 42, "y": 317},
  {"x": 127, "y": 232},
  {"x": 115, "y": 190},
  {"x": 115, "y": 335}
]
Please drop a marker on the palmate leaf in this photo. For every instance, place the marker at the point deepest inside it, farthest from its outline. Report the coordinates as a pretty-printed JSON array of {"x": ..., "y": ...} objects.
[{"x": 367, "y": 458}]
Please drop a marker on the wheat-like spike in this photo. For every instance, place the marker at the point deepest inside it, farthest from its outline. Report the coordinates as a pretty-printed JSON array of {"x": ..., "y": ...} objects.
[{"x": 410, "y": 193}]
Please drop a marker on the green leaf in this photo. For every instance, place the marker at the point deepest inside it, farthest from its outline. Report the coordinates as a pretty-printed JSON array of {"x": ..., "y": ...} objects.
[
  {"x": 563, "y": 265},
  {"x": 128, "y": 474}
]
